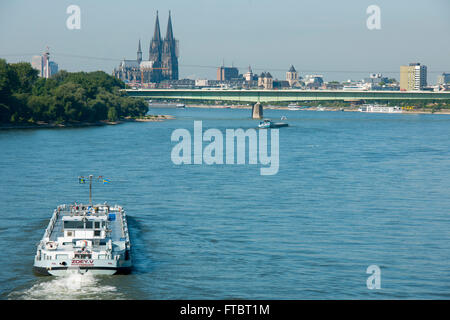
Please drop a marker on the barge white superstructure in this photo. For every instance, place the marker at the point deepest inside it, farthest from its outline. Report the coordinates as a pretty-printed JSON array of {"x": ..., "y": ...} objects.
[{"x": 85, "y": 238}]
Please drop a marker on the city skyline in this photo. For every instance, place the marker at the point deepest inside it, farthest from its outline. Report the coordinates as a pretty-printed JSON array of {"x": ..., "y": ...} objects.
[{"x": 329, "y": 39}]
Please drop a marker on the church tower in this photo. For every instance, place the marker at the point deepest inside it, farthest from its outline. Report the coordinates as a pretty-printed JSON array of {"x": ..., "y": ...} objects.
[
  {"x": 155, "y": 51},
  {"x": 292, "y": 76},
  {"x": 170, "y": 54},
  {"x": 155, "y": 44},
  {"x": 139, "y": 52}
]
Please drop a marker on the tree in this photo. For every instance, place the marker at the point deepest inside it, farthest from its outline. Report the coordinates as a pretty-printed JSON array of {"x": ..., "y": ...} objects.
[
  {"x": 71, "y": 97},
  {"x": 65, "y": 97},
  {"x": 25, "y": 77},
  {"x": 112, "y": 114},
  {"x": 5, "y": 113},
  {"x": 5, "y": 83}
]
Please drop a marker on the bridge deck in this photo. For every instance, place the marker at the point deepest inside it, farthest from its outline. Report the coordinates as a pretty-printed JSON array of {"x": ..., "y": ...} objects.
[{"x": 249, "y": 96}]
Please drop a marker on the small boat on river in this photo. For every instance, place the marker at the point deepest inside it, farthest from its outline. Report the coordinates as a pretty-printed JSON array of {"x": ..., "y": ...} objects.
[{"x": 267, "y": 123}]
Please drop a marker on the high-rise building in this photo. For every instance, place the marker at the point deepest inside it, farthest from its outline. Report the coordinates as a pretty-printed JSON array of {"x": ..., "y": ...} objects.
[
  {"x": 413, "y": 77},
  {"x": 53, "y": 67},
  {"x": 36, "y": 63},
  {"x": 43, "y": 64},
  {"x": 227, "y": 73}
]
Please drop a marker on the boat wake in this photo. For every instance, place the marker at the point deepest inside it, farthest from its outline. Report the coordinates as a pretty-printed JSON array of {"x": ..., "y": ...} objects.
[{"x": 72, "y": 286}]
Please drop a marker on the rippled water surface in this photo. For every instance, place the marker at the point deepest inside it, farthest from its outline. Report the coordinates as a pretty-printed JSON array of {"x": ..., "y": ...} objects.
[{"x": 352, "y": 190}]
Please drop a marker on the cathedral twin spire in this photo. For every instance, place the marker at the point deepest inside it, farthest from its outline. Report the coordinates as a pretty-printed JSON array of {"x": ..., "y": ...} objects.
[
  {"x": 169, "y": 33},
  {"x": 157, "y": 33},
  {"x": 162, "y": 52},
  {"x": 157, "y": 45}
]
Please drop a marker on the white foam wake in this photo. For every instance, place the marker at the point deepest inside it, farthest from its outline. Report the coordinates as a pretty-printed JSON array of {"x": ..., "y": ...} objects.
[{"x": 72, "y": 286}]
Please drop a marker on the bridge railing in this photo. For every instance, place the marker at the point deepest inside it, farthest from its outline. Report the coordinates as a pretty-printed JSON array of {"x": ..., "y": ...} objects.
[{"x": 252, "y": 96}]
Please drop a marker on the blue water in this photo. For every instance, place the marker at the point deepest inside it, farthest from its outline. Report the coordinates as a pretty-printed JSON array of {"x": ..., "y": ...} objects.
[{"x": 352, "y": 190}]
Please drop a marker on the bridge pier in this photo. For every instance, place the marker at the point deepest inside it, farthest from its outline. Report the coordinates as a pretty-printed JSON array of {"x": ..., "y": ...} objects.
[{"x": 257, "y": 111}]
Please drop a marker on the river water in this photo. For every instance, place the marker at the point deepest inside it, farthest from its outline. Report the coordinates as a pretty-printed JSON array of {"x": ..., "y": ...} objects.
[{"x": 353, "y": 190}]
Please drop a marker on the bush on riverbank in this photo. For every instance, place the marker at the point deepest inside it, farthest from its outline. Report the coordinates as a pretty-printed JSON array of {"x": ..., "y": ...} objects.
[{"x": 66, "y": 97}]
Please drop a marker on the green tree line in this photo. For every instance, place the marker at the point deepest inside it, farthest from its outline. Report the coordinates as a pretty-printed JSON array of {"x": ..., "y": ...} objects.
[{"x": 66, "y": 97}]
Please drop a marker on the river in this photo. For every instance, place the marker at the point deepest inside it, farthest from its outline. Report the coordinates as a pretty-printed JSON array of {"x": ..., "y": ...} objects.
[{"x": 352, "y": 190}]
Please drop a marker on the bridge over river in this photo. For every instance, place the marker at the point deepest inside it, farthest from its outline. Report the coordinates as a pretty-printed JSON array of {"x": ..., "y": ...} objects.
[{"x": 268, "y": 96}]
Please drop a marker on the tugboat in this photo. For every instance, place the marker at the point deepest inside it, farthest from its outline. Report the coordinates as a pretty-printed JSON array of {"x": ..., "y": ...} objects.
[
  {"x": 267, "y": 123},
  {"x": 86, "y": 238}
]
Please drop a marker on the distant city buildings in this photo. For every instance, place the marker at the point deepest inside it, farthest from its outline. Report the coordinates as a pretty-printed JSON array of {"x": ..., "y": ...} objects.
[
  {"x": 43, "y": 65},
  {"x": 201, "y": 83},
  {"x": 292, "y": 77},
  {"x": 333, "y": 85},
  {"x": 53, "y": 67},
  {"x": 443, "y": 82},
  {"x": 265, "y": 81},
  {"x": 161, "y": 71},
  {"x": 444, "y": 78},
  {"x": 249, "y": 76},
  {"x": 313, "y": 81},
  {"x": 375, "y": 79},
  {"x": 162, "y": 64},
  {"x": 413, "y": 77},
  {"x": 227, "y": 73}
]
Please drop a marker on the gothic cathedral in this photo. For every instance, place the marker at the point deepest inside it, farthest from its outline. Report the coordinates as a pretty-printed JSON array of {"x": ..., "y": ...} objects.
[{"x": 162, "y": 63}]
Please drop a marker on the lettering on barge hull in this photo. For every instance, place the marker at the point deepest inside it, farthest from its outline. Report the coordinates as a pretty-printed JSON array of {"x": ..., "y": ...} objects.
[{"x": 87, "y": 263}]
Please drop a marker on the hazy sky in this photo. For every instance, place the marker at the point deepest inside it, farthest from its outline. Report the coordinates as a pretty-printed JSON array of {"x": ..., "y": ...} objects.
[{"x": 327, "y": 37}]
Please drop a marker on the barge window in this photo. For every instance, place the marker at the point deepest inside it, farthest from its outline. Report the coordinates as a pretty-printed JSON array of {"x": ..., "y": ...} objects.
[
  {"x": 88, "y": 224},
  {"x": 73, "y": 225},
  {"x": 97, "y": 225}
]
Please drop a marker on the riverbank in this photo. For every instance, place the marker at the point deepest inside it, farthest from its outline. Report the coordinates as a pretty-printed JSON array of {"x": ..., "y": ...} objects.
[
  {"x": 340, "y": 109},
  {"x": 42, "y": 124},
  {"x": 151, "y": 118}
]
